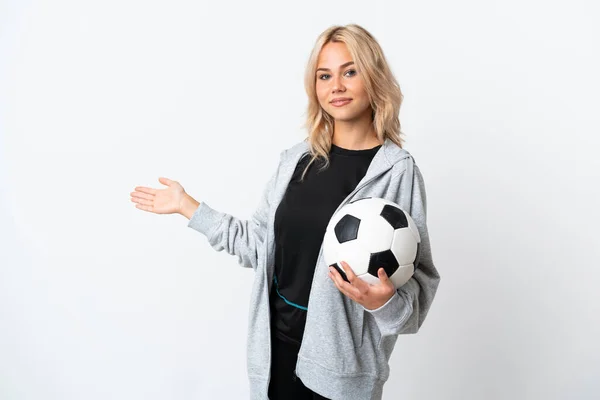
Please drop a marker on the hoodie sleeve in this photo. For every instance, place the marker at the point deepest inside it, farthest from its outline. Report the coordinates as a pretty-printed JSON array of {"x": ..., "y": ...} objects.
[
  {"x": 242, "y": 238},
  {"x": 407, "y": 308}
]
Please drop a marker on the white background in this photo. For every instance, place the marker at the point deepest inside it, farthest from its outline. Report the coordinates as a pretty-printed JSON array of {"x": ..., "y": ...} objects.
[{"x": 100, "y": 300}]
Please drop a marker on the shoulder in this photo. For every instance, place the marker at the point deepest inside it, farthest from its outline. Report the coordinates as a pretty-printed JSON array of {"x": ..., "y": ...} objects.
[
  {"x": 288, "y": 157},
  {"x": 299, "y": 147},
  {"x": 398, "y": 158},
  {"x": 294, "y": 151}
]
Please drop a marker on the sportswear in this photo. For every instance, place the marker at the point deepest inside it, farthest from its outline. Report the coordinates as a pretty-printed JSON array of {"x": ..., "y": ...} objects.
[
  {"x": 345, "y": 348},
  {"x": 284, "y": 385},
  {"x": 300, "y": 223}
]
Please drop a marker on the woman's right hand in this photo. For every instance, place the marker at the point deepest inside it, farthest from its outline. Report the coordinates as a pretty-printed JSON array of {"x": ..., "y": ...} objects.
[{"x": 160, "y": 201}]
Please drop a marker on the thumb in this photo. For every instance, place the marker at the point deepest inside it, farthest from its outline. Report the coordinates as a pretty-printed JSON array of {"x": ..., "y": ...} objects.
[
  {"x": 165, "y": 181},
  {"x": 382, "y": 275}
]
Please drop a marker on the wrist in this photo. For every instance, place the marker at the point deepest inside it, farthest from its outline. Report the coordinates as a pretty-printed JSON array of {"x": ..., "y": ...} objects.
[
  {"x": 379, "y": 305},
  {"x": 188, "y": 206}
]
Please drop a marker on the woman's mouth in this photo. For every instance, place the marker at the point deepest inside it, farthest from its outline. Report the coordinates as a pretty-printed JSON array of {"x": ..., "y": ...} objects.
[{"x": 341, "y": 102}]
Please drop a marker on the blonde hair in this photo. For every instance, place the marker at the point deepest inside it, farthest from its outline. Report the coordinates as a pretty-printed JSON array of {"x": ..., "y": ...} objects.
[{"x": 381, "y": 86}]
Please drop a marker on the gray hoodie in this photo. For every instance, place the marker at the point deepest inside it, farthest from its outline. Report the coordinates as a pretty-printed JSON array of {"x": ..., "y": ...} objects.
[{"x": 345, "y": 348}]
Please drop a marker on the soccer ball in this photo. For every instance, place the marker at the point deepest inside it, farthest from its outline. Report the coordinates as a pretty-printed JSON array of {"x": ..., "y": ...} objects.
[{"x": 372, "y": 233}]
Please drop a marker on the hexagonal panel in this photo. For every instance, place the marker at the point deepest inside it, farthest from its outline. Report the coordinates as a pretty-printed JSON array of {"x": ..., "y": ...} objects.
[
  {"x": 375, "y": 234},
  {"x": 404, "y": 246},
  {"x": 354, "y": 255}
]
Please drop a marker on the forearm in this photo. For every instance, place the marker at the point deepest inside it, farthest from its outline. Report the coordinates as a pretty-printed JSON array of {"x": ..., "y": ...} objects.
[
  {"x": 188, "y": 206},
  {"x": 239, "y": 237}
]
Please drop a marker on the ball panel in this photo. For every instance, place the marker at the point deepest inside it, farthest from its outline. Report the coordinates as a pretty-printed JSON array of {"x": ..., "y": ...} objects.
[
  {"x": 355, "y": 256},
  {"x": 395, "y": 216},
  {"x": 384, "y": 259},
  {"x": 366, "y": 208},
  {"x": 404, "y": 246},
  {"x": 347, "y": 228},
  {"x": 373, "y": 280},
  {"x": 402, "y": 275},
  {"x": 375, "y": 235}
]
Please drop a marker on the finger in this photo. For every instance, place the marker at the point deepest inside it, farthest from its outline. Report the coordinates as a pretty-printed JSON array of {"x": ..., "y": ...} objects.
[
  {"x": 349, "y": 272},
  {"x": 144, "y": 189},
  {"x": 345, "y": 287},
  {"x": 355, "y": 280},
  {"x": 143, "y": 202},
  {"x": 145, "y": 208},
  {"x": 335, "y": 275},
  {"x": 340, "y": 271},
  {"x": 165, "y": 181},
  {"x": 385, "y": 281},
  {"x": 383, "y": 277},
  {"x": 142, "y": 195},
  {"x": 338, "y": 282}
]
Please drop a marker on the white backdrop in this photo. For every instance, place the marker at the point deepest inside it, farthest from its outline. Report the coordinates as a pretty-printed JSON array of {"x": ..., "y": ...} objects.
[{"x": 100, "y": 300}]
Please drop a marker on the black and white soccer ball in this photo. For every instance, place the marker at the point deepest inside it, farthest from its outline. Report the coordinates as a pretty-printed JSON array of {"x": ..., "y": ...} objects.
[{"x": 372, "y": 233}]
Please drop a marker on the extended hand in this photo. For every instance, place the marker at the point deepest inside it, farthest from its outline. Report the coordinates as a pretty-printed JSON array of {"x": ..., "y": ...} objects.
[
  {"x": 369, "y": 296},
  {"x": 160, "y": 201}
]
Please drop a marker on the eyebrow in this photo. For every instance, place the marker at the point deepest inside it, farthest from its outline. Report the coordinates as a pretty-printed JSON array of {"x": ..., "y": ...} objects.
[{"x": 341, "y": 66}]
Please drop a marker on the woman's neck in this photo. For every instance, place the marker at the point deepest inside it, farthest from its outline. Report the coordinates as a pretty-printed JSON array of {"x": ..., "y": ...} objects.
[{"x": 355, "y": 134}]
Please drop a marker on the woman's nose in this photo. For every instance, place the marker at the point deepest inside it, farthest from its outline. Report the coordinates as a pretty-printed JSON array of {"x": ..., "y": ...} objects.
[{"x": 337, "y": 84}]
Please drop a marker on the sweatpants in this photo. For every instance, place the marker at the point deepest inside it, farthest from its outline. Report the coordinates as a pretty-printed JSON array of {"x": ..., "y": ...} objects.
[{"x": 284, "y": 384}]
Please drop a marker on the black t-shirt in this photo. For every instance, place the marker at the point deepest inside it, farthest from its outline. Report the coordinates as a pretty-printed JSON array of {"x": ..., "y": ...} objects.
[{"x": 300, "y": 222}]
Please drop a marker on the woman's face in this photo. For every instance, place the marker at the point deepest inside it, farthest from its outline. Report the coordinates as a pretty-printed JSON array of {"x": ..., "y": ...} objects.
[{"x": 338, "y": 78}]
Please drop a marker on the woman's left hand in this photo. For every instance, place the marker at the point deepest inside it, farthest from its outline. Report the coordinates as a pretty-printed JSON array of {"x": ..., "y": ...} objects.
[{"x": 369, "y": 296}]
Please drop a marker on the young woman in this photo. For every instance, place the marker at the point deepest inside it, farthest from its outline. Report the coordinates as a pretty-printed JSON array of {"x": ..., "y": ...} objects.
[{"x": 313, "y": 334}]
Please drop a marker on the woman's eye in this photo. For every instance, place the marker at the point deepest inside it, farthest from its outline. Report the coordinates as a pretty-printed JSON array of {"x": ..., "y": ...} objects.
[{"x": 351, "y": 72}]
